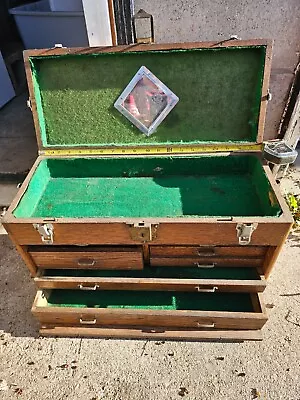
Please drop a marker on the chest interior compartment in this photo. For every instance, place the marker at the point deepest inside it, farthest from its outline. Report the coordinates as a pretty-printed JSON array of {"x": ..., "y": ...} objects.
[{"x": 149, "y": 187}]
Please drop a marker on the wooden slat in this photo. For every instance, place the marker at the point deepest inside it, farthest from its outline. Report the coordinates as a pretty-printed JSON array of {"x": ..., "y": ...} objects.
[
  {"x": 207, "y": 251},
  {"x": 160, "y": 284},
  {"x": 107, "y": 249},
  {"x": 153, "y": 334},
  {"x": 98, "y": 22},
  {"x": 198, "y": 262},
  {"x": 264, "y": 93},
  {"x": 88, "y": 259}
]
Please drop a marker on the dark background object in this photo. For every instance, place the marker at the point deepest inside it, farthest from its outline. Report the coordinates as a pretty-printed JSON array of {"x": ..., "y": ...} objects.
[{"x": 123, "y": 14}]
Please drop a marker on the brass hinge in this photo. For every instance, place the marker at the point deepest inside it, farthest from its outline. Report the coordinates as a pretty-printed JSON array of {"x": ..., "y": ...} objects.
[
  {"x": 46, "y": 231},
  {"x": 143, "y": 232},
  {"x": 244, "y": 232}
]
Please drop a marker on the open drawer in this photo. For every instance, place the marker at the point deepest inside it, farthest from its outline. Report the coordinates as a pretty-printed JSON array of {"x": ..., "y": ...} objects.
[
  {"x": 57, "y": 307},
  {"x": 155, "y": 279}
]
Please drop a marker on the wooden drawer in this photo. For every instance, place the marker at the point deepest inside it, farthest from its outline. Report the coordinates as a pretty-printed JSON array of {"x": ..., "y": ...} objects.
[
  {"x": 205, "y": 262},
  {"x": 208, "y": 251},
  {"x": 207, "y": 257},
  {"x": 154, "y": 333},
  {"x": 244, "y": 311},
  {"x": 155, "y": 279},
  {"x": 88, "y": 258}
]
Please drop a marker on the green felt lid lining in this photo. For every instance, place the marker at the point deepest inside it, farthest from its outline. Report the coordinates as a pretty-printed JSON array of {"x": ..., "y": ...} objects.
[{"x": 219, "y": 92}]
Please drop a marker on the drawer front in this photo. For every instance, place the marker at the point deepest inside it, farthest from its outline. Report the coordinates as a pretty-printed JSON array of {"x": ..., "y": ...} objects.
[
  {"x": 205, "y": 262},
  {"x": 150, "y": 279},
  {"x": 154, "y": 333},
  {"x": 85, "y": 259},
  {"x": 77, "y": 316},
  {"x": 208, "y": 251}
]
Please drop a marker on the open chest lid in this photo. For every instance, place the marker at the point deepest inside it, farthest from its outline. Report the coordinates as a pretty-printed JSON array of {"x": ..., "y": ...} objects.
[{"x": 222, "y": 90}]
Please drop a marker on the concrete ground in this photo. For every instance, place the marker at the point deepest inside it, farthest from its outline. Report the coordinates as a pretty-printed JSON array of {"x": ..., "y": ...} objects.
[
  {"x": 92, "y": 369},
  {"x": 18, "y": 148}
]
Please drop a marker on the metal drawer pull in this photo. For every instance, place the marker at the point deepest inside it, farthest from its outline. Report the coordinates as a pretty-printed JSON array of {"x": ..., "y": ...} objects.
[
  {"x": 206, "y": 252},
  {"x": 81, "y": 287},
  {"x": 204, "y": 290},
  {"x": 199, "y": 325},
  {"x": 90, "y": 322},
  {"x": 86, "y": 262},
  {"x": 204, "y": 265}
]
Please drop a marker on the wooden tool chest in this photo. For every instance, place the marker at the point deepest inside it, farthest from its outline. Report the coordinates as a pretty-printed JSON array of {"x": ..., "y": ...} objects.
[{"x": 164, "y": 236}]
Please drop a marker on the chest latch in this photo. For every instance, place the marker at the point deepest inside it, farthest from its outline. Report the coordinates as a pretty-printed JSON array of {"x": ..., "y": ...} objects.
[
  {"x": 46, "y": 231},
  {"x": 142, "y": 231},
  {"x": 244, "y": 232}
]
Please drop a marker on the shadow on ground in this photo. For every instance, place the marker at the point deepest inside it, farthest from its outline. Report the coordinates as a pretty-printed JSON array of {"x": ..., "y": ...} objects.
[{"x": 17, "y": 293}]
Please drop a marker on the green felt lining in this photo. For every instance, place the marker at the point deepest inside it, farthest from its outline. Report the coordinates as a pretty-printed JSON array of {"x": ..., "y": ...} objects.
[
  {"x": 235, "y": 302},
  {"x": 219, "y": 94},
  {"x": 148, "y": 187},
  {"x": 161, "y": 272}
]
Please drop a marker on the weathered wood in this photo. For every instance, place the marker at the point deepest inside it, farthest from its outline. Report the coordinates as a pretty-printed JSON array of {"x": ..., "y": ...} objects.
[
  {"x": 83, "y": 259},
  {"x": 264, "y": 93},
  {"x": 153, "y": 334},
  {"x": 160, "y": 284}
]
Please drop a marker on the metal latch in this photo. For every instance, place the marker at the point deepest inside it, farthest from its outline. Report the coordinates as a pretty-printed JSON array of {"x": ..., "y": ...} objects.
[
  {"x": 46, "y": 232},
  {"x": 29, "y": 105},
  {"x": 143, "y": 232},
  {"x": 244, "y": 232}
]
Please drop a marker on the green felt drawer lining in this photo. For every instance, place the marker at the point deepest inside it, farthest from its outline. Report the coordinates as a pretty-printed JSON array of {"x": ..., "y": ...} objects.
[
  {"x": 230, "y": 273},
  {"x": 235, "y": 302}
]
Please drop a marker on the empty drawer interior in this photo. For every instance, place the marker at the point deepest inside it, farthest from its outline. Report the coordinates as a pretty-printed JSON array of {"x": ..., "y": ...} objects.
[{"x": 229, "y": 302}]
